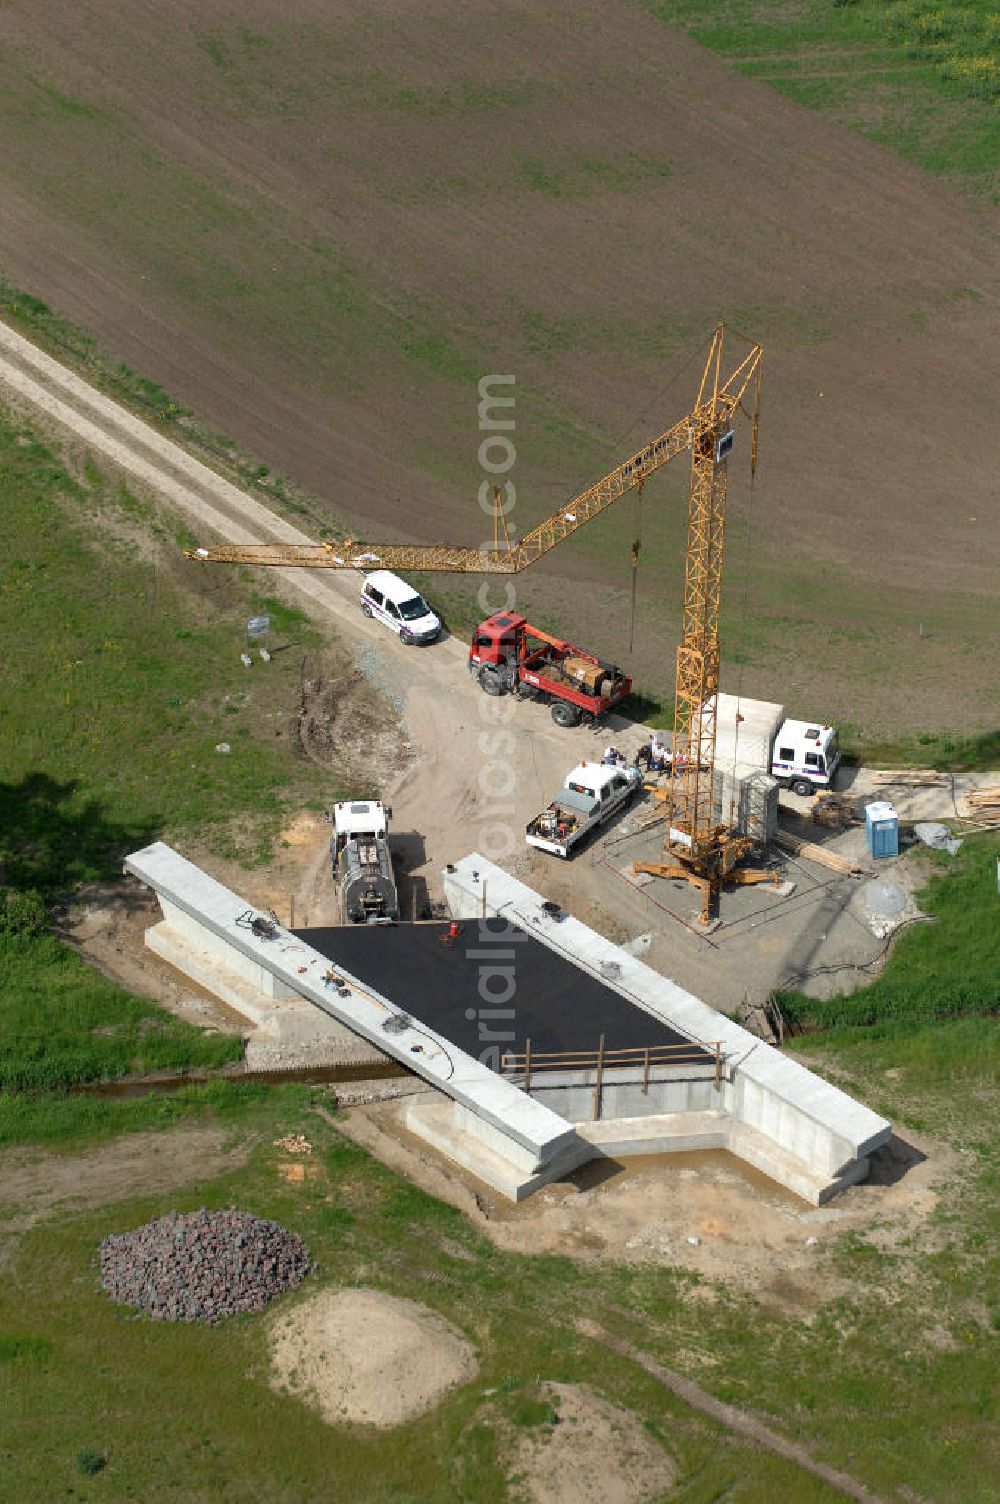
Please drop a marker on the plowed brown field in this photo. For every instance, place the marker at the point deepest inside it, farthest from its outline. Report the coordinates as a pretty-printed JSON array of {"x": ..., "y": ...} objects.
[{"x": 319, "y": 223}]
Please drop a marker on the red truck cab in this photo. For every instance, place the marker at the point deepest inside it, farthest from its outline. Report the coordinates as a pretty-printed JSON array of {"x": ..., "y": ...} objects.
[
  {"x": 498, "y": 640},
  {"x": 509, "y": 656}
]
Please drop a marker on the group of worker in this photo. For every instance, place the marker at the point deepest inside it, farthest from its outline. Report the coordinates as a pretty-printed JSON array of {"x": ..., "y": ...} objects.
[{"x": 654, "y": 756}]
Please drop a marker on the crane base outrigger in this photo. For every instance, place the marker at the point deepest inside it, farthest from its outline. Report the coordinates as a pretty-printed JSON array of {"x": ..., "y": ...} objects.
[{"x": 717, "y": 863}]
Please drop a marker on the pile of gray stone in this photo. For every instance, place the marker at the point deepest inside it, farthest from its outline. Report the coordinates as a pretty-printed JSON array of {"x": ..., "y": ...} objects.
[{"x": 203, "y": 1265}]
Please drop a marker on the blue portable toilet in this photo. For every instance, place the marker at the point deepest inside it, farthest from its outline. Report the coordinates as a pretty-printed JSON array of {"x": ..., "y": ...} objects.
[{"x": 882, "y": 829}]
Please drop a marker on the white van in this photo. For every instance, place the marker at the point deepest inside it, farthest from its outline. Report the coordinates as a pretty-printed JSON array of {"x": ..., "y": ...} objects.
[
  {"x": 391, "y": 600},
  {"x": 806, "y": 756}
]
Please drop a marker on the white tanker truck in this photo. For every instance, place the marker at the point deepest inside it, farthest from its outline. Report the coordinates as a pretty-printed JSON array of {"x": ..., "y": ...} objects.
[{"x": 362, "y": 862}]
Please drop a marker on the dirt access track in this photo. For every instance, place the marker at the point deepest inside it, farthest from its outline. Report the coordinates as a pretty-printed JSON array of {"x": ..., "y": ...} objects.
[{"x": 319, "y": 225}]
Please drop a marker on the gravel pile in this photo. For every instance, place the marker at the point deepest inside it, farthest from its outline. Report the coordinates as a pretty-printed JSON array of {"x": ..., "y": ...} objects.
[{"x": 202, "y": 1266}]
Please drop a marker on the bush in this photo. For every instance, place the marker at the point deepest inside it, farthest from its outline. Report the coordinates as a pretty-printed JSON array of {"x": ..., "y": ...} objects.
[
  {"x": 90, "y": 1462},
  {"x": 23, "y": 913}
]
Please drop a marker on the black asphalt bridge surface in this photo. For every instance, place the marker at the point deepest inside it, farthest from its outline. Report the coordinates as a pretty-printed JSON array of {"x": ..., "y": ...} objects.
[{"x": 492, "y": 984}]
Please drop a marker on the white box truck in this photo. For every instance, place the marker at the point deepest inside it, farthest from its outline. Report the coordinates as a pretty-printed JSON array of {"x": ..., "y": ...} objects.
[{"x": 802, "y": 755}]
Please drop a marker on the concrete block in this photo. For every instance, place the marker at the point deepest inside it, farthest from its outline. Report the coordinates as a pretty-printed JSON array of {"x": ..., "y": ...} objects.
[
  {"x": 436, "y": 1123},
  {"x": 773, "y": 1112},
  {"x": 663, "y": 1133},
  {"x": 189, "y": 928},
  {"x": 288, "y": 1021},
  {"x": 804, "y": 1116},
  {"x": 209, "y": 973}
]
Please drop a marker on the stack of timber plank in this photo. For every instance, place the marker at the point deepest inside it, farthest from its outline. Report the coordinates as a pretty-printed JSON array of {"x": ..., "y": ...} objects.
[
  {"x": 911, "y": 778},
  {"x": 834, "y": 810},
  {"x": 983, "y": 807}
]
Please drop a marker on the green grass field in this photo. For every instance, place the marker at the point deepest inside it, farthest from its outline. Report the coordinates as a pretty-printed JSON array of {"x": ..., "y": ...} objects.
[
  {"x": 920, "y": 77},
  {"x": 947, "y": 968},
  {"x": 68, "y": 1120},
  {"x": 123, "y": 682},
  {"x": 128, "y": 682},
  {"x": 858, "y": 1382},
  {"x": 62, "y": 1024}
]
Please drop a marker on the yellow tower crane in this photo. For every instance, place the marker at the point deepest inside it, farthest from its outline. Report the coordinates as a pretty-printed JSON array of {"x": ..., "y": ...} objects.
[{"x": 696, "y": 848}]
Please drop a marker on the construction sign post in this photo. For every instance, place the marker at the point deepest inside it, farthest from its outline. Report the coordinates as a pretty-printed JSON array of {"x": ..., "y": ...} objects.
[{"x": 258, "y": 630}]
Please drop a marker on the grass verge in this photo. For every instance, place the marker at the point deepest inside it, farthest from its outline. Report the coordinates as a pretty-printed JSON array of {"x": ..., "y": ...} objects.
[
  {"x": 917, "y": 76},
  {"x": 948, "y": 753},
  {"x": 62, "y": 1024},
  {"x": 126, "y": 682},
  {"x": 947, "y": 968},
  {"x": 69, "y": 1120},
  {"x": 859, "y": 1383}
]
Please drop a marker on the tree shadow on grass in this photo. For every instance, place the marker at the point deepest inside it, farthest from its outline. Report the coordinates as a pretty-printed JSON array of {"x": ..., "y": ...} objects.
[{"x": 52, "y": 839}]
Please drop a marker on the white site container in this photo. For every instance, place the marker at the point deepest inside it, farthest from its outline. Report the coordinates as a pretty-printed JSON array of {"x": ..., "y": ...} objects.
[{"x": 749, "y": 739}]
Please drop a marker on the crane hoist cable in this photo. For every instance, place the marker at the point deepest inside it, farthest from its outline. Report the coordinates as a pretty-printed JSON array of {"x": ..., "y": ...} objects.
[
  {"x": 755, "y": 424},
  {"x": 636, "y": 547},
  {"x": 680, "y": 367}
]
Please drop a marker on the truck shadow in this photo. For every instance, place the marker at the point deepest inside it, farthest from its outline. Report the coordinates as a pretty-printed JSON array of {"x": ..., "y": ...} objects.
[{"x": 409, "y": 853}]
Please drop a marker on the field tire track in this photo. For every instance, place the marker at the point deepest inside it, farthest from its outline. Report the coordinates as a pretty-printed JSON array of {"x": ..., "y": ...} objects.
[{"x": 743, "y": 1422}]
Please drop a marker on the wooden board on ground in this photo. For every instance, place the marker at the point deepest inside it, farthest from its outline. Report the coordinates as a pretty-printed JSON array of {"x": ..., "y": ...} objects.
[{"x": 810, "y": 852}]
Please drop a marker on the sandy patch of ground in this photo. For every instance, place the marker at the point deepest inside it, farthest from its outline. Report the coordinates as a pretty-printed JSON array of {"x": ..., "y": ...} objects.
[
  {"x": 596, "y": 1454},
  {"x": 364, "y": 1357},
  {"x": 706, "y": 1211},
  {"x": 37, "y": 1183}
]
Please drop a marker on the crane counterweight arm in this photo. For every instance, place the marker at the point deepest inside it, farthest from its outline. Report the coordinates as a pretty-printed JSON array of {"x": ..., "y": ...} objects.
[
  {"x": 432, "y": 557},
  {"x": 717, "y": 404}
]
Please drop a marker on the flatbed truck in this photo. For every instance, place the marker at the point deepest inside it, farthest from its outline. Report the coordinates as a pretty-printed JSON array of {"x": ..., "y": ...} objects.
[{"x": 510, "y": 656}]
